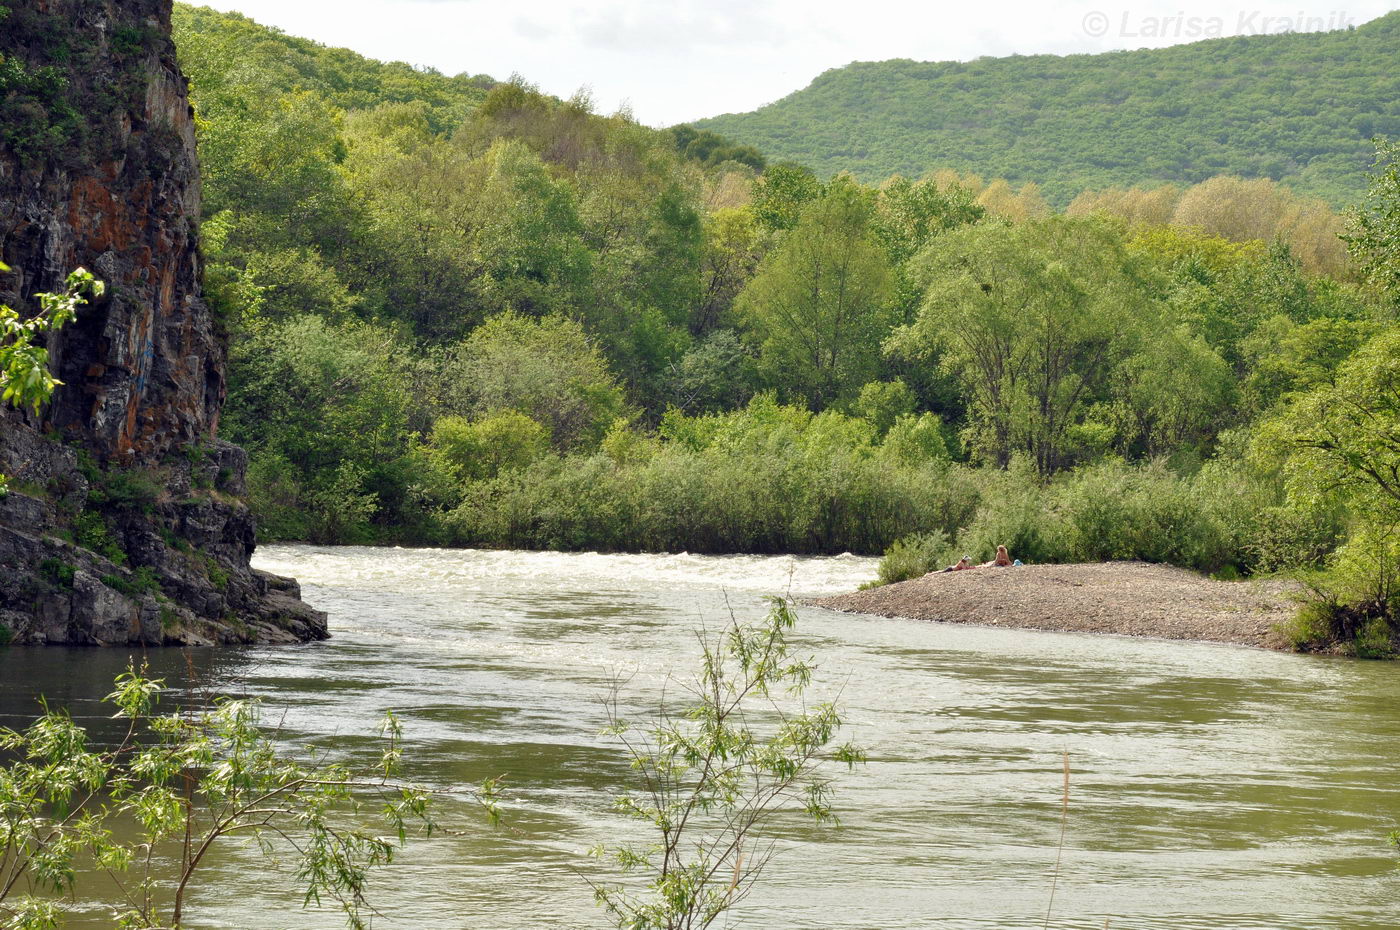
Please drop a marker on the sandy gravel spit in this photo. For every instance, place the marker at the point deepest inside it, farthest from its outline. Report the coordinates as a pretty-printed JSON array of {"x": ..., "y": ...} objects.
[{"x": 1126, "y": 598}]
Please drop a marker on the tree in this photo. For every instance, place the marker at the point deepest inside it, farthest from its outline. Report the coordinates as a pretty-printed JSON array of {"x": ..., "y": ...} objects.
[
  {"x": 717, "y": 373},
  {"x": 1173, "y": 393},
  {"x": 715, "y": 773},
  {"x": 1344, "y": 437},
  {"x": 186, "y": 783},
  {"x": 881, "y": 403},
  {"x": 473, "y": 450},
  {"x": 25, "y": 379},
  {"x": 819, "y": 304},
  {"x": 734, "y": 247},
  {"x": 908, "y": 215},
  {"x": 1001, "y": 200},
  {"x": 324, "y": 410},
  {"x": 1032, "y": 318},
  {"x": 781, "y": 193},
  {"x": 1374, "y": 229},
  {"x": 548, "y": 369},
  {"x": 1341, "y": 443},
  {"x": 1136, "y": 206},
  {"x": 1243, "y": 210}
]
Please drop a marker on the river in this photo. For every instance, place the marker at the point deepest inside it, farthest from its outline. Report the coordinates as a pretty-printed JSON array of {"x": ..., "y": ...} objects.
[{"x": 1212, "y": 787}]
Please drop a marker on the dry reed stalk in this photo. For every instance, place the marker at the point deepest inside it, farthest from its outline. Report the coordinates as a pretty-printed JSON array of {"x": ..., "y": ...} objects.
[{"x": 1060, "y": 851}]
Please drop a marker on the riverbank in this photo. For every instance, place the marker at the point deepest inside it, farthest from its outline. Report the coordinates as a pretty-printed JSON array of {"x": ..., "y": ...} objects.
[{"x": 1126, "y": 598}]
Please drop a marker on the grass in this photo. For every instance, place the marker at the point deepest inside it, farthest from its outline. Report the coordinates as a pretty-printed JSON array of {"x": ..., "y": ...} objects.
[
  {"x": 138, "y": 583},
  {"x": 58, "y": 573}
]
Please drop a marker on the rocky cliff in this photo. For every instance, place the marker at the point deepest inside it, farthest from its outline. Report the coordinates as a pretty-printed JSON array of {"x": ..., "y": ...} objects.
[{"x": 124, "y": 522}]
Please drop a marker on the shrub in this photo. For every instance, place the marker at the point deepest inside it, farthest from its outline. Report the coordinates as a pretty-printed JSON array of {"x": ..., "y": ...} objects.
[
  {"x": 482, "y": 448},
  {"x": 1016, "y": 511},
  {"x": 883, "y": 403},
  {"x": 92, "y": 531},
  {"x": 1374, "y": 640},
  {"x": 124, "y": 489},
  {"x": 914, "y": 556},
  {"x": 59, "y": 573},
  {"x": 1351, "y": 603},
  {"x": 138, "y": 583},
  {"x": 1311, "y": 628},
  {"x": 1287, "y": 537},
  {"x": 912, "y": 440}
]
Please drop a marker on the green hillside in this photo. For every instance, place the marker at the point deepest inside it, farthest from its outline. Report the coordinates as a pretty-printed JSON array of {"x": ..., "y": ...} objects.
[
  {"x": 220, "y": 51},
  {"x": 1296, "y": 108}
]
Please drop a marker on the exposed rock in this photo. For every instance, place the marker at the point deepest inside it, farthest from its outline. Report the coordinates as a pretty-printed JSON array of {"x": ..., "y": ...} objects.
[{"x": 126, "y": 523}]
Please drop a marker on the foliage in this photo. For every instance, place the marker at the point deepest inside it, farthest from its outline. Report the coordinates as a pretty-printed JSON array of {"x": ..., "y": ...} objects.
[
  {"x": 548, "y": 370},
  {"x": 1296, "y": 108},
  {"x": 1352, "y": 605},
  {"x": 915, "y": 556},
  {"x": 324, "y": 410},
  {"x": 186, "y": 783},
  {"x": 58, "y": 573},
  {"x": 768, "y": 478},
  {"x": 717, "y": 373},
  {"x": 468, "y": 312},
  {"x": 712, "y": 149},
  {"x": 1344, "y": 437},
  {"x": 136, "y": 584},
  {"x": 1221, "y": 519},
  {"x": 1032, "y": 318},
  {"x": 475, "y": 449},
  {"x": 1374, "y": 237},
  {"x": 818, "y": 304},
  {"x": 714, "y": 774},
  {"x": 25, "y": 380},
  {"x": 220, "y": 50},
  {"x": 92, "y": 530},
  {"x": 883, "y": 403}
]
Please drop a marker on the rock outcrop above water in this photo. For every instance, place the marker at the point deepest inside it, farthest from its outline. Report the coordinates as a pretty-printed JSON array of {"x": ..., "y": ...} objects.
[
  {"x": 1127, "y": 598},
  {"x": 125, "y": 522}
]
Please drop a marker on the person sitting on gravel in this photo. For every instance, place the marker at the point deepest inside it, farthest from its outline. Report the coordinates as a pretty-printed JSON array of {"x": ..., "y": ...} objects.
[{"x": 1003, "y": 559}]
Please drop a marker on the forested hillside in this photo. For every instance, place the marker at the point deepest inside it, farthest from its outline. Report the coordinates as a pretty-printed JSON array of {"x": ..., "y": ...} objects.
[
  {"x": 484, "y": 316},
  {"x": 1298, "y": 108}
]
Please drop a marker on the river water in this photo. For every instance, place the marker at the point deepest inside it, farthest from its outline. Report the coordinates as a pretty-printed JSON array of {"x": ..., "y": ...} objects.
[{"x": 1212, "y": 787}]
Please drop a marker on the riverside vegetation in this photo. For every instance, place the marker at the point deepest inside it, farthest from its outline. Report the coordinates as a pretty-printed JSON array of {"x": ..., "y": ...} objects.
[{"x": 467, "y": 313}]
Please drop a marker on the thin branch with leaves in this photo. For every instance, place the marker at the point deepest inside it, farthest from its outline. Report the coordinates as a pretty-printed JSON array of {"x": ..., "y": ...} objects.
[
  {"x": 190, "y": 782},
  {"x": 714, "y": 773}
]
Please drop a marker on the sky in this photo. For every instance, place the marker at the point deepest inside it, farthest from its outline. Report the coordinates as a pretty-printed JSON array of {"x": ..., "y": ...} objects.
[{"x": 671, "y": 61}]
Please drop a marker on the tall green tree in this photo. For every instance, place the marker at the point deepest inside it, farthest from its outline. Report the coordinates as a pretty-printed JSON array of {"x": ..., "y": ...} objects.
[
  {"x": 548, "y": 369},
  {"x": 1032, "y": 318},
  {"x": 819, "y": 304},
  {"x": 1374, "y": 238}
]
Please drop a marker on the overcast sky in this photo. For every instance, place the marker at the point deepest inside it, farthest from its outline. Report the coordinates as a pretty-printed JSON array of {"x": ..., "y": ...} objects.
[{"x": 678, "y": 60}]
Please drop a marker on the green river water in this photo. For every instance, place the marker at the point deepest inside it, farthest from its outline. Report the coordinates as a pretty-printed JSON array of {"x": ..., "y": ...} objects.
[{"x": 1212, "y": 787}]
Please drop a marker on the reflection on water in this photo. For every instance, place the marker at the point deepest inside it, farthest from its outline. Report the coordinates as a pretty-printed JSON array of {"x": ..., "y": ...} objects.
[{"x": 1213, "y": 787}]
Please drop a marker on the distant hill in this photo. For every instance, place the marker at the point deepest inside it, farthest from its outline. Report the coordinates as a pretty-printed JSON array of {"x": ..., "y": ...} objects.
[
  {"x": 228, "y": 50},
  {"x": 1297, "y": 108}
]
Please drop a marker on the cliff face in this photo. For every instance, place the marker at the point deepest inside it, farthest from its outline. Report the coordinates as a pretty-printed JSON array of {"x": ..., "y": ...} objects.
[{"x": 124, "y": 523}]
